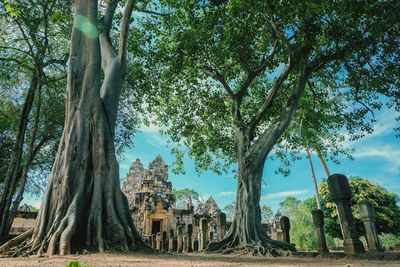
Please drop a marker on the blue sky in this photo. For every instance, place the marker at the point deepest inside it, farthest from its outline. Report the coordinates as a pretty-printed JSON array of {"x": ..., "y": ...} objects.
[{"x": 377, "y": 157}]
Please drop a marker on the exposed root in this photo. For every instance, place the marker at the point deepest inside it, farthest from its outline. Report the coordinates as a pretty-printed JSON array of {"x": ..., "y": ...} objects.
[
  {"x": 264, "y": 246},
  {"x": 256, "y": 249},
  {"x": 16, "y": 241}
]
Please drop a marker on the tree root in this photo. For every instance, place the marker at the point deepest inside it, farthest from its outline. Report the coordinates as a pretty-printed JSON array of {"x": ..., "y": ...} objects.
[
  {"x": 256, "y": 249},
  {"x": 16, "y": 241}
]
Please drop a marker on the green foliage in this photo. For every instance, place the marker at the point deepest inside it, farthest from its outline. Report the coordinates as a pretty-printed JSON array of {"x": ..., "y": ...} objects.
[
  {"x": 182, "y": 195},
  {"x": 384, "y": 202},
  {"x": 229, "y": 210},
  {"x": 33, "y": 208},
  {"x": 234, "y": 40},
  {"x": 266, "y": 212},
  {"x": 76, "y": 264},
  {"x": 389, "y": 240},
  {"x": 302, "y": 230},
  {"x": 33, "y": 47}
]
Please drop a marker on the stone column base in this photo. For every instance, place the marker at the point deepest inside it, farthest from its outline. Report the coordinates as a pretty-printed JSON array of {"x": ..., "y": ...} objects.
[{"x": 353, "y": 246}]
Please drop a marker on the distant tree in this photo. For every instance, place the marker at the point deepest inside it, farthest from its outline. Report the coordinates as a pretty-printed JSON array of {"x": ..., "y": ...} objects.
[
  {"x": 33, "y": 62},
  {"x": 229, "y": 210},
  {"x": 266, "y": 212},
  {"x": 384, "y": 202},
  {"x": 182, "y": 195},
  {"x": 302, "y": 230}
]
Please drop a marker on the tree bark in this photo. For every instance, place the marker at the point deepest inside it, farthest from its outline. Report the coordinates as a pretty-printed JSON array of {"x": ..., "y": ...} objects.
[
  {"x": 314, "y": 178},
  {"x": 83, "y": 205},
  {"x": 246, "y": 232},
  {"x": 323, "y": 163}
]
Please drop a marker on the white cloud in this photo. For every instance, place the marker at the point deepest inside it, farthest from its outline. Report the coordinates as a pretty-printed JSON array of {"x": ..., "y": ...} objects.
[
  {"x": 156, "y": 139},
  {"x": 284, "y": 194},
  {"x": 227, "y": 193},
  {"x": 124, "y": 166},
  {"x": 152, "y": 128},
  {"x": 386, "y": 122},
  {"x": 386, "y": 152}
]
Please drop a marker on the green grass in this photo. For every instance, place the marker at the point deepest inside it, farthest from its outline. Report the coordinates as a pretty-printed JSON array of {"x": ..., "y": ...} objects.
[{"x": 76, "y": 264}]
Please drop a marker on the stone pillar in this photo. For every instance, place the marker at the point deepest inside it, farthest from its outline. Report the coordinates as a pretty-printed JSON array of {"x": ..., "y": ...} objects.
[
  {"x": 189, "y": 233},
  {"x": 158, "y": 241},
  {"x": 180, "y": 238},
  {"x": 164, "y": 245},
  {"x": 184, "y": 244},
  {"x": 147, "y": 223},
  {"x": 153, "y": 241},
  {"x": 171, "y": 240},
  {"x": 196, "y": 244},
  {"x": 211, "y": 237},
  {"x": 221, "y": 225},
  {"x": 318, "y": 220},
  {"x": 285, "y": 226},
  {"x": 368, "y": 217},
  {"x": 339, "y": 190},
  {"x": 203, "y": 233}
]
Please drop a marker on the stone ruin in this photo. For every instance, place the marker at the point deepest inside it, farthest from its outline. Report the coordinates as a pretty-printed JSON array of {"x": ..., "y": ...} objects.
[
  {"x": 23, "y": 221},
  {"x": 156, "y": 217}
]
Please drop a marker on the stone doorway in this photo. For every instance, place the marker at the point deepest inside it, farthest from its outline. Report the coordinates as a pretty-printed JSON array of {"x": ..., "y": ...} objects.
[{"x": 156, "y": 226}]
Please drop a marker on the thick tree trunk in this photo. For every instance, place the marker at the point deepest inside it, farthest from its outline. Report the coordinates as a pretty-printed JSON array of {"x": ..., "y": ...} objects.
[
  {"x": 246, "y": 232},
  {"x": 84, "y": 206}
]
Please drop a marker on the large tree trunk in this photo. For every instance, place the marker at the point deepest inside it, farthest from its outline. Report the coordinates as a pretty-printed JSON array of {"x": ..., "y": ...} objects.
[
  {"x": 84, "y": 206},
  {"x": 246, "y": 232}
]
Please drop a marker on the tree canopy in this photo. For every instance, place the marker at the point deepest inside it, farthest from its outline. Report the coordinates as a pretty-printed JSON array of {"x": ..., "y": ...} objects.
[
  {"x": 202, "y": 49},
  {"x": 182, "y": 195},
  {"x": 236, "y": 79}
]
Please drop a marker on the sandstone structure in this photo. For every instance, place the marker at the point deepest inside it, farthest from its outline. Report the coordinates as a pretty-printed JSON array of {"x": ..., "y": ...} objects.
[{"x": 153, "y": 206}]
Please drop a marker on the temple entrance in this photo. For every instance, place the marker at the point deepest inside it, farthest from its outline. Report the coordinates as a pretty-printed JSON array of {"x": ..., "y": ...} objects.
[{"x": 156, "y": 226}]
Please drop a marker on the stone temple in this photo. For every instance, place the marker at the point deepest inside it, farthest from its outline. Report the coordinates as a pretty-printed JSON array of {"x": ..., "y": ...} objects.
[{"x": 153, "y": 206}]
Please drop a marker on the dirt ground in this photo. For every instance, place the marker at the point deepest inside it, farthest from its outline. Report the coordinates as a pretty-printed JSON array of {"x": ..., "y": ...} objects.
[{"x": 140, "y": 259}]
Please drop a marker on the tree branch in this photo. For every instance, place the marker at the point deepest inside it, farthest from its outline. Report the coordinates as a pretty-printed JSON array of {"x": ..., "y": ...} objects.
[
  {"x": 254, "y": 74},
  {"x": 123, "y": 38},
  {"x": 150, "y": 12},
  {"x": 19, "y": 62},
  {"x": 25, "y": 37},
  {"x": 269, "y": 137},
  {"x": 281, "y": 35},
  {"x": 255, "y": 120},
  {"x": 218, "y": 77},
  {"x": 109, "y": 15},
  {"x": 16, "y": 49},
  {"x": 319, "y": 62}
]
